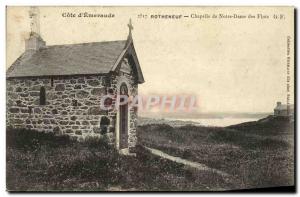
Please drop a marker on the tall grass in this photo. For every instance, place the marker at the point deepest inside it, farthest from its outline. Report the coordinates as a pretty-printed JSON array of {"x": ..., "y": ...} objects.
[
  {"x": 253, "y": 158},
  {"x": 38, "y": 161}
]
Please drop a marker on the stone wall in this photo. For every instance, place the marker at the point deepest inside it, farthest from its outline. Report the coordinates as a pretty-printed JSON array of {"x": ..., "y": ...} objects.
[{"x": 72, "y": 105}]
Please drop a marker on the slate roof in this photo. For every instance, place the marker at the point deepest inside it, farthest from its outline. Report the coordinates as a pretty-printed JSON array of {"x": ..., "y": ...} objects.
[{"x": 73, "y": 59}]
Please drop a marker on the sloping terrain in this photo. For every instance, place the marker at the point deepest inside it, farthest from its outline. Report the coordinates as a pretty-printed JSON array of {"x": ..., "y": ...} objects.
[
  {"x": 257, "y": 154},
  {"x": 44, "y": 162},
  {"x": 253, "y": 155}
]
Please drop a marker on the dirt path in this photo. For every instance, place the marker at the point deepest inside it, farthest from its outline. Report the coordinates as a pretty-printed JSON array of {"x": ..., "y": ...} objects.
[{"x": 192, "y": 164}]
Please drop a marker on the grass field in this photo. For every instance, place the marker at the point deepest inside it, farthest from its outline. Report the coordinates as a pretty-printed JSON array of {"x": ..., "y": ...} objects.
[
  {"x": 256, "y": 154},
  {"x": 44, "y": 162}
]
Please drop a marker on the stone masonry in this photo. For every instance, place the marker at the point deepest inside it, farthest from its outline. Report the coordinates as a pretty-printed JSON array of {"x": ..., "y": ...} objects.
[{"x": 72, "y": 105}]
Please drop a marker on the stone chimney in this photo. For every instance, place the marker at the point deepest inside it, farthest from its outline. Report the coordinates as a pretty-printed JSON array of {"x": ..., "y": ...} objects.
[
  {"x": 34, "y": 42},
  {"x": 278, "y": 104}
]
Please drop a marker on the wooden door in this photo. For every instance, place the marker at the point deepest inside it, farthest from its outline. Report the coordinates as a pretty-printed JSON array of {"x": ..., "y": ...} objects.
[{"x": 123, "y": 126}]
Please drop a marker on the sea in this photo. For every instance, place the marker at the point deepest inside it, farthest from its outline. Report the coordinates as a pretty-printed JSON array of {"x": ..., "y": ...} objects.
[{"x": 216, "y": 122}]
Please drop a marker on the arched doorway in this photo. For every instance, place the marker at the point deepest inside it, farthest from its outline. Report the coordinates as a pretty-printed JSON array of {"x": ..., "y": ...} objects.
[{"x": 123, "y": 117}]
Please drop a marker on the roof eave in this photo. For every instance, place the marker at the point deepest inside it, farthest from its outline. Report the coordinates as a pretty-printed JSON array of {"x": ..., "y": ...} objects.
[{"x": 65, "y": 75}]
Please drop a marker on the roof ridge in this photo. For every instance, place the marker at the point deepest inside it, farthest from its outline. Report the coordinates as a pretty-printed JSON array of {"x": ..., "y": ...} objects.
[{"x": 84, "y": 43}]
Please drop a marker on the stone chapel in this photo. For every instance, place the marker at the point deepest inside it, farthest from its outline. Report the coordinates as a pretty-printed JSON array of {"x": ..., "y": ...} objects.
[{"x": 59, "y": 88}]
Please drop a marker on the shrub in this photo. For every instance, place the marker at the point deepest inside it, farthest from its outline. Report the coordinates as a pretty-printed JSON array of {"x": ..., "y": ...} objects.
[
  {"x": 27, "y": 139},
  {"x": 247, "y": 141},
  {"x": 100, "y": 143}
]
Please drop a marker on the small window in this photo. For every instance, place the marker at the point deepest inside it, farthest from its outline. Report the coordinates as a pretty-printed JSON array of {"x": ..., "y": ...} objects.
[
  {"x": 123, "y": 89},
  {"x": 42, "y": 96},
  {"x": 52, "y": 82}
]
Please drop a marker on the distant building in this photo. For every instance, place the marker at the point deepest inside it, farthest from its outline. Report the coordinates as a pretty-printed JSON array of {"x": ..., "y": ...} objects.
[{"x": 283, "y": 110}]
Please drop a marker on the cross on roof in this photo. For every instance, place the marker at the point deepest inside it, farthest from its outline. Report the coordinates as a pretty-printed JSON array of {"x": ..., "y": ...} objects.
[
  {"x": 34, "y": 20},
  {"x": 130, "y": 27}
]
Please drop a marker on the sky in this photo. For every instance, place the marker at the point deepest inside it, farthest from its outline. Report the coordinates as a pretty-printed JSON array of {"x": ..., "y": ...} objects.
[{"x": 230, "y": 65}]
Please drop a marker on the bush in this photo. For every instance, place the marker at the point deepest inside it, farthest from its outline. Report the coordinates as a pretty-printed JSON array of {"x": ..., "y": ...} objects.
[
  {"x": 27, "y": 139},
  {"x": 100, "y": 143},
  {"x": 86, "y": 166},
  {"x": 56, "y": 162},
  {"x": 247, "y": 141}
]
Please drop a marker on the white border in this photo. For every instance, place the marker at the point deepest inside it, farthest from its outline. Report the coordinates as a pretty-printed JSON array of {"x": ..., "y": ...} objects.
[
  {"x": 3, "y": 4},
  {"x": 153, "y": 2}
]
